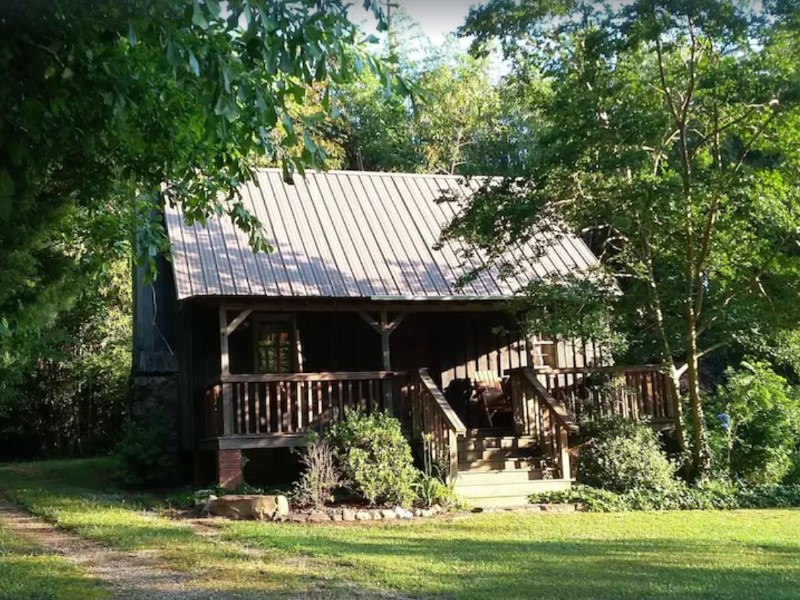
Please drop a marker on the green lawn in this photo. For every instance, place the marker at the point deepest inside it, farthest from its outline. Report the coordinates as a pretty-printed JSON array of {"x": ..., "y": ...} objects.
[
  {"x": 731, "y": 555},
  {"x": 29, "y": 573},
  {"x": 746, "y": 554}
]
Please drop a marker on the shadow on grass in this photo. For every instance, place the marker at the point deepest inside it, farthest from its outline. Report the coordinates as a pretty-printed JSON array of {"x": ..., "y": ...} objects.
[{"x": 568, "y": 569}]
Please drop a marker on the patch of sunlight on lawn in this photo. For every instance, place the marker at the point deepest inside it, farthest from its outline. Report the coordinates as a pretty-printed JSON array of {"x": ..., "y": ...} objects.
[{"x": 704, "y": 555}]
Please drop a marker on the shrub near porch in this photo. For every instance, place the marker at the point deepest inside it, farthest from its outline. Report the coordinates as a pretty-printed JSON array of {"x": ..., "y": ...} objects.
[{"x": 375, "y": 458}]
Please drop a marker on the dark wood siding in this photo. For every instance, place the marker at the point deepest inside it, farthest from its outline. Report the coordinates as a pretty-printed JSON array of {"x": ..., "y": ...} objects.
[{"x": 154, "y": 306}]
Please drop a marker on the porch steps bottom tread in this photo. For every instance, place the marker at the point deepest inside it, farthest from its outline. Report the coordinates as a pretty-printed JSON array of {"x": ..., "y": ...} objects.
[
  {"x": 498, "y": 465},
  {"x": 493, "y": 478},
  {"x": 508, "y": 494},
  {"x": 496, "y": 469}
]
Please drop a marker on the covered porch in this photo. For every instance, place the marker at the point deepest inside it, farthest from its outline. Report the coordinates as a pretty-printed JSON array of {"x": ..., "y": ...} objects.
[{"x": 264, "y": 410}]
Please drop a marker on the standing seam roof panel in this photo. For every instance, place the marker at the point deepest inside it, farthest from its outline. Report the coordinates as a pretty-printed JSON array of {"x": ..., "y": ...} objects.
[
  {"x": 352, "y": 202},
  {"x": 355, "y": 234},
  {"x": 417, "y": 259},
  {"x": 391, "y": 244}
]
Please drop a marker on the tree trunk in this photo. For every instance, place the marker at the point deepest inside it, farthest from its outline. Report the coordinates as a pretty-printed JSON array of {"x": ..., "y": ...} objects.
[
  {"x": 677, "y": 406},
  {"x": 700, "y": 464}
]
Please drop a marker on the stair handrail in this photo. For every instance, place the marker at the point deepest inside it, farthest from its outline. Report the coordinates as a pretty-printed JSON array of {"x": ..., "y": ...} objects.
[
  {"x": 441, "y": 402},
  {"x": 538, "y": 413},
  {"x": 432, "y": 415},
  {"x": 557, "y": 408}
]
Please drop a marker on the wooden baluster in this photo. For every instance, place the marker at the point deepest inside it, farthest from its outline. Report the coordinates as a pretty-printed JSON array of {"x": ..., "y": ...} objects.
[
  {"x": 302, "y": 407},
  {"x": 227, "y": 409},
  {"x": 309, "y": 405},
  {"x": 256, "y": 407},
  {"x": 247, "y": 408},
  {"x": 328, "y": 410},
  {"x": 288, "y": 413},
  {"x": 268, "y": 395},
  {"x": 281, "y": 416},
  {"x": 243, "y": 408}
]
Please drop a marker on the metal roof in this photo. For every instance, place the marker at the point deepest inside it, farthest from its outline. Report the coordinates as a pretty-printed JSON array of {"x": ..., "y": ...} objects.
[{"x": 352, "y": 234}]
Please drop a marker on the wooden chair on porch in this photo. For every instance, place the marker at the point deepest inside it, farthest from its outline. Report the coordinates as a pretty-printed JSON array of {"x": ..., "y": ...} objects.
[{"x": 492, "y": 394}]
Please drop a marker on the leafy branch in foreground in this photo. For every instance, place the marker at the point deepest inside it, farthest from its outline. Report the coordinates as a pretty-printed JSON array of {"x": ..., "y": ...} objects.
[{"x": 109, "y": 108}]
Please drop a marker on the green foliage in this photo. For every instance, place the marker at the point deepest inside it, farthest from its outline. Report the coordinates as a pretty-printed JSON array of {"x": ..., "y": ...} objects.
[
  {"x": 320, "y": 476},
  {"x": 624, "y": 456},
  {"x": 430, "y": 486},
  {"x": 374, "y": 457},
  {"x": 456, "y": 111},
  {"x": 109, "y": 109},
  {"x": 594, "y": 499},
  {"x": 667, "y": 135},
  {"x": 708, "y": 495},
  {"x": 64, "y": 385},
  {"x": 143, "y": 455},
  {"x": 755, "y": 424}
]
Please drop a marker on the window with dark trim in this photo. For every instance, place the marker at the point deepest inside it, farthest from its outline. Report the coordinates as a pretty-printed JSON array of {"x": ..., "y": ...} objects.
[{"x": 275, "y": 346}]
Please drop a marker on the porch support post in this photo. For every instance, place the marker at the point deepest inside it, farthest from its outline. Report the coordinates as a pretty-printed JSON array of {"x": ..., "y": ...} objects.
[
  {"x": 384, "y": 328},
  {"x": 452, "y": 456},
  {"x": 225, "y": 369},
  {"x": 563, "y": 448}
]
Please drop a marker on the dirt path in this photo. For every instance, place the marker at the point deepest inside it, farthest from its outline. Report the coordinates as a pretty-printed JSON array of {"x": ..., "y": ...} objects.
[
  {"x": 130, "y": 576},
  {"x": 138, "y": 575}
]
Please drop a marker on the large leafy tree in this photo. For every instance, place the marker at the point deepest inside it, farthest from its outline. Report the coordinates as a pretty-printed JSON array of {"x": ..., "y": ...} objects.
[
  {"x": 668, "y": 133},
  {"x": 456, "y": 114},
  {"x": 109, "y": 108}
]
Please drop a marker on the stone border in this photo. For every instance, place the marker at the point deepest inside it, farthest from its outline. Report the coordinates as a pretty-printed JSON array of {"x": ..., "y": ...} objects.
[
  {"x": 276, "y": 509},
  {"x": 353, "y": 514}
]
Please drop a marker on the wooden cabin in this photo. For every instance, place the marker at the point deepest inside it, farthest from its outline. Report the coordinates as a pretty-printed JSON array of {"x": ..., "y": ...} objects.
[{"x": 359, "y": 307}]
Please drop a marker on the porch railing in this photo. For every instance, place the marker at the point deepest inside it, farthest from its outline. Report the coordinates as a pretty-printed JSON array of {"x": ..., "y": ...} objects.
[
  {"x": 626, "y": 391},
  {"x": 296, "y": 403},
  {"x": 432, "y": 415},
  {"x": 538, "y": 414}
]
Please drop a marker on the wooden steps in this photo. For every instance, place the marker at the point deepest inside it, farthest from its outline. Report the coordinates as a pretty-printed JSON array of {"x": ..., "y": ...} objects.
[{"x": 496, "y": 470}]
